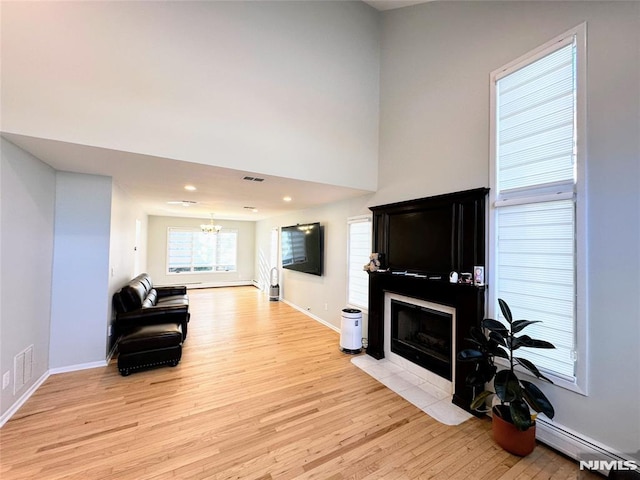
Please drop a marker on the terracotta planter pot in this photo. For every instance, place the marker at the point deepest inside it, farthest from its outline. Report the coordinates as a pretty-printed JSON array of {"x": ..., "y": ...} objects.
[{"x": 511, "y": 439}]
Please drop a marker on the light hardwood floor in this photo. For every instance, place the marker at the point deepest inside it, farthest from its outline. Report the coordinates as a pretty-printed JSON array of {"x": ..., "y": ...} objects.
[{"x": 262, "y": 392}]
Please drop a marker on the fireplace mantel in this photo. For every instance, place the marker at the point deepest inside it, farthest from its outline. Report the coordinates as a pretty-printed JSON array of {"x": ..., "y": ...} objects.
[{"x": 431, "y": 237}]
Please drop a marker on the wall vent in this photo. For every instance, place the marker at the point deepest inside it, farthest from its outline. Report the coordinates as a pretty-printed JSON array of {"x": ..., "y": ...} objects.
[{"x": 22, "y": 368}]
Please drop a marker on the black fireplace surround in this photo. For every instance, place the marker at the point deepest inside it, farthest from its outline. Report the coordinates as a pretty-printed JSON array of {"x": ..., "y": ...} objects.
[{"x": 421, "y": 242}]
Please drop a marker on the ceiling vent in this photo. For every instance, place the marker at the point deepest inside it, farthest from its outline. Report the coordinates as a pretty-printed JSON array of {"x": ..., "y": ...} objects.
[{"x": 253, "y": 179}]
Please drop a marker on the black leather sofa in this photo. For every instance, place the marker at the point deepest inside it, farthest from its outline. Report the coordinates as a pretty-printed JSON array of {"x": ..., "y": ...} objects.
[{"x": 139, "y": 304}]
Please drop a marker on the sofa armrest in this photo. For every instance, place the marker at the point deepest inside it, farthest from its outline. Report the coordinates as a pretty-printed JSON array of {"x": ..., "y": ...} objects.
[{"x": 171, "y": 290}]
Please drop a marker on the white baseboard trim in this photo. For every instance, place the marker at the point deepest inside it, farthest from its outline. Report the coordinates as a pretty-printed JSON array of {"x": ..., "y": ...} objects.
[
  {"x": 309, "y": 314},
  {"x": 576, "y": 445},
  {"x": 241, "y": 283},
  {"x": 32, "y": 389},
  {"x": 78, "y": 367},
  {"x": 22, "y": 400}
]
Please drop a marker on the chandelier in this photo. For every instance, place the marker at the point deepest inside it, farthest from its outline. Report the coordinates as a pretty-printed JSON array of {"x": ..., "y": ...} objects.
[{"x": 210, "y": 227}]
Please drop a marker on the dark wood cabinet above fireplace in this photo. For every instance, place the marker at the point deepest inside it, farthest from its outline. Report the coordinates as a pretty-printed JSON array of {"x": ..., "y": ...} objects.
[
  {"x": 421, "y": 242},
  {"x": 434, "y": 235}
]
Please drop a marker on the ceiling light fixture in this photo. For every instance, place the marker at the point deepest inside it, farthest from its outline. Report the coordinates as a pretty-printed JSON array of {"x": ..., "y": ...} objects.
[
  {"x": 210, "y": 227},
  {"x": 190, "y": 188},
  {"x": 287, "y": 198}
]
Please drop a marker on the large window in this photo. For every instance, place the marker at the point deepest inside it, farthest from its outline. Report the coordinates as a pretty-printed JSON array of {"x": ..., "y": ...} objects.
[
  {"x": 537, "y": 210},
  {"x": 358, "y": 256},
  {"x": 190, "y": 250}
]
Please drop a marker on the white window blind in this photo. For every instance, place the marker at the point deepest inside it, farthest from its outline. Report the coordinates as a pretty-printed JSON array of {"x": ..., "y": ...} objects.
[
  {"x": 358, "y": 256},
  {"x": 536, "y": 268},
  {"x": 273, "y": 254},
  {"x": 536, "y": 118},
  {"x": 190, "y": 250},
  {"x": 534, "y": 192}
]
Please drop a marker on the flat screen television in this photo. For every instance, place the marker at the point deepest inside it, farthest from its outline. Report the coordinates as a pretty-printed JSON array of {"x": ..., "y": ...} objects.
[
  {"x": 422, "y": 240},
  {"x": 302, "y": 248}
]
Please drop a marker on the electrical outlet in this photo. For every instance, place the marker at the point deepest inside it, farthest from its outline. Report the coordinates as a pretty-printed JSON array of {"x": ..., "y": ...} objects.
[{"x": 6, "y": 379}]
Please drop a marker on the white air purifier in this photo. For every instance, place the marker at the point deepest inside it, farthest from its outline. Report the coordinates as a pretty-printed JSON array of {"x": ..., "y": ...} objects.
[{"x": 351, "y": 331}]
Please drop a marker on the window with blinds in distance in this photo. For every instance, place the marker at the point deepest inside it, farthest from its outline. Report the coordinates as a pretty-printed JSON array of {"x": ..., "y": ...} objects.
[
  {"x": 189, "y": 250},
  {"x": 358, "y": 256},
  {"x": 534, "y": 191}
]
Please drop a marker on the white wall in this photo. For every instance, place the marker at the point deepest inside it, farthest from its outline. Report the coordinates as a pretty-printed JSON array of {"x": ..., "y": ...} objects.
[
  {"x": 281, "y": 88},
  {"x": 157, "y": 254},
  {"x": 80, "y": 292},
  {"x": 436, "y": 60},
  {"x": 123, "y": 247},
  {"x": 27, "y": 200},
  {"x": 310, "y": 292}
]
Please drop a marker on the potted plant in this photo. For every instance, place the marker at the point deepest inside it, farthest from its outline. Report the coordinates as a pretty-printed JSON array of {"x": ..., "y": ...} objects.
[{"x": 513, "y": 422}]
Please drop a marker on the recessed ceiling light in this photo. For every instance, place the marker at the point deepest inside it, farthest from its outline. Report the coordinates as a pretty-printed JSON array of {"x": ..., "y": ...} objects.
[
  {"x": 190, "y": 188},
  {"x": 287, "y": 198}
]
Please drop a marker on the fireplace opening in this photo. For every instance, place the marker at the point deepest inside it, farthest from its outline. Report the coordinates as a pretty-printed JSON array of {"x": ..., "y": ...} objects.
[{"x": 423, "y": 336}]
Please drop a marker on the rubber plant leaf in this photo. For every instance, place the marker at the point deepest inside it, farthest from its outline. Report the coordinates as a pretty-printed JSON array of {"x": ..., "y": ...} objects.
[
  {"x": 506, "y": 311},
  {"x": 520, "y": 414},
  {"x": 526, "y": 341},
  {"x": 495, "y": 326},
  {"x": 470, "y": 355},
  {"x": 477, "y": 335},
  {"x": 500, "y": 352},
  {"x": 496, "y": 337},
  {"x": 532, "y": 368},
  {"x": 507, "y": 386},
  {"x": 537, "y": 400},
  {"x": 518, "y": 325},
  {"x": 480, "y": 399}
]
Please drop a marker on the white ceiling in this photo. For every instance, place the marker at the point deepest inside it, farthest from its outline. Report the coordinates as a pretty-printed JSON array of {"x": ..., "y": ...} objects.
[
  {"x": 154, "y": 181},
  {"x": 393, "y": 4}
]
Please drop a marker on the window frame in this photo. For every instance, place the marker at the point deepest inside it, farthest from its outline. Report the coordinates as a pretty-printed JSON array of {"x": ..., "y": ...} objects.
[
  {"x": 197, "y": 230},
  {"x": 350, "y": 221},
  {"x": 577, "y": 190}
]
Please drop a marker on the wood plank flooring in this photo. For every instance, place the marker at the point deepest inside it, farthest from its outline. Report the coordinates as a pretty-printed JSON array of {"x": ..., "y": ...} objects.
[{"x": 262, "y": 392}]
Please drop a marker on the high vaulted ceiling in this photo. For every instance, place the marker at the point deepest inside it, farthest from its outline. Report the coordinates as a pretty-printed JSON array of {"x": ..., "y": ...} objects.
[{"x": 160, "y": 95}]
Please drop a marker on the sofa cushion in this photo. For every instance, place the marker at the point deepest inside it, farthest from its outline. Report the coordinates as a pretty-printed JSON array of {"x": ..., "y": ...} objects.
[
  {"x": 133, "y": 295},
  {"x": 177, "y": 300},
  {"x": 151, "y": 299}
]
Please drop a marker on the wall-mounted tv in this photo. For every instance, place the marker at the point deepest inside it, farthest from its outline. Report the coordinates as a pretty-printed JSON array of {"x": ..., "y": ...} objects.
[
  {"x": 422, "y": 240},
  {"x": 302, "y": 248}
]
